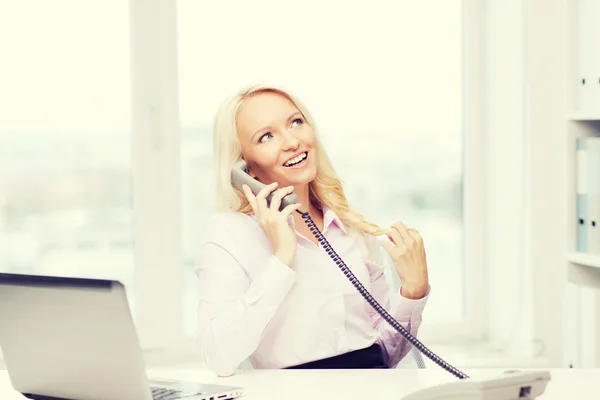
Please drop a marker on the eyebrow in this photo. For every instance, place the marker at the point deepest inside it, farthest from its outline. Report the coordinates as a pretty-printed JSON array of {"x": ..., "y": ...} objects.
[{"x": 269, "y": 127}]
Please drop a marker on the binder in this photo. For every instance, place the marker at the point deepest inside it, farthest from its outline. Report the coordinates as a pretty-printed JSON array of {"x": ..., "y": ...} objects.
[
  {"x": 581, "y": 193},
  {"x": 593, "y": 195}
]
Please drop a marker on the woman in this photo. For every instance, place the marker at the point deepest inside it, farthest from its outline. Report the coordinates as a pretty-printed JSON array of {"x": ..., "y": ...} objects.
[{"x": 267, "y": 289}]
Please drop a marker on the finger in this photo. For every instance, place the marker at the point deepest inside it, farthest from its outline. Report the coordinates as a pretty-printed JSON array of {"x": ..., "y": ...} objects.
[
  {"x": 415, "y": 235},
  {"x": 261, "y": 199},
  {"x": 290, "y": 209},
  {"x": 276, "y": 199},
  {"x": 395, "y": 236},
  {"x": 390, "y": 248},
  {"x": 250, "y": 196},
  {"x": 403, "y": 230},
  {"x": 396, "y": 252},
  {"x": 266, "y": 190},
  {"x": 396, "y": 242}
]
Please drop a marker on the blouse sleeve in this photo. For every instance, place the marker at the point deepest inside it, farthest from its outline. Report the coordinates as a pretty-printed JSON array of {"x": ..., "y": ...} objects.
[
  {"x": 233, "y": 311},
  {"x": 408, "y": 312}
]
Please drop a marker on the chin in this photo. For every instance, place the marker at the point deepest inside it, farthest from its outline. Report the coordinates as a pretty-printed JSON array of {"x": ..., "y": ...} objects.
[
  {"x": 306, "y": 177},
  {"x": 303, "y": 179}
]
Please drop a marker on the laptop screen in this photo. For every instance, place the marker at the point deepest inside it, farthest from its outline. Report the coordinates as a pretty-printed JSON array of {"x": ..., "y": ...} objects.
[{"x": 65, "y": 336}]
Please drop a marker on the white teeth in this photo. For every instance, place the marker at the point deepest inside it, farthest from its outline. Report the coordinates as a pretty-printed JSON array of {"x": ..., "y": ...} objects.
[{"x": 295, "y": 160}]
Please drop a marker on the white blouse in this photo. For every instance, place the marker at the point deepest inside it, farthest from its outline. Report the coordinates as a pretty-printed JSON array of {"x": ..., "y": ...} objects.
[{"x": 253, "y": 305}]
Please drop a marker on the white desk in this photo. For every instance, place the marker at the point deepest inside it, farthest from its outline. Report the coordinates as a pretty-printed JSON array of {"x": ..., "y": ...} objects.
[{"x": 356, "y": 384}]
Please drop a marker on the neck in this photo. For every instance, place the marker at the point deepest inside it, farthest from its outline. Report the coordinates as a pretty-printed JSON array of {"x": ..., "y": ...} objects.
[{"x": 303, "y": 193}]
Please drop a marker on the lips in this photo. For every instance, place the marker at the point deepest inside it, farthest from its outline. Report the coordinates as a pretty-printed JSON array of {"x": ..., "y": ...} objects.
[{"x": 297, "y": 159}]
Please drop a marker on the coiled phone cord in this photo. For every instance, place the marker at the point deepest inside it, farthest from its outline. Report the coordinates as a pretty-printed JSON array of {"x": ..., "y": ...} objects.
[{"x": 376, "y": 306}]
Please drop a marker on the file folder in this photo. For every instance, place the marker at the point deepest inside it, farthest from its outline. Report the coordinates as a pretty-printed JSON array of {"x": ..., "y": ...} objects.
[
  {"x": 593, "y": 195},
  {"x": 581, "y": 170}
]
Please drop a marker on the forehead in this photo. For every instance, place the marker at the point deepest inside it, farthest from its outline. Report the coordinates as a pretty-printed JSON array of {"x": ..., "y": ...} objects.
[{"x": 264, "y": 109}]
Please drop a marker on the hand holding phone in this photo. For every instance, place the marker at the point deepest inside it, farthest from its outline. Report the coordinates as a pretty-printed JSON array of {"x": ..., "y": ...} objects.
[
  {"x": 275, "y": 222},
  {"x": 239, "y": 177}
]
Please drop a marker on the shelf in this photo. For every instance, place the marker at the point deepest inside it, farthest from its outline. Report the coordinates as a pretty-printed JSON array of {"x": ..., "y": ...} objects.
[
  {"x": 584, "y": 116},
  {"x": 588, "y": 260},
  {"x": 584, "y": 269}
]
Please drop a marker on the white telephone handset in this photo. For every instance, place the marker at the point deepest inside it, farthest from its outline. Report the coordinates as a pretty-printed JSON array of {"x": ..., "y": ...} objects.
[{"x": 509, "y": 386}]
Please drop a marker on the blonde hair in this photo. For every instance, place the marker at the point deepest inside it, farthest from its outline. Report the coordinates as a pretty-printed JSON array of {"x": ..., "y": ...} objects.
[{"x": 325, "y": 189}]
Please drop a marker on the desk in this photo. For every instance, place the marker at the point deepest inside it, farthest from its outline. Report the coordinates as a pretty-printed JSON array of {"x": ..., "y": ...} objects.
[{"x": 356, "y": 384}]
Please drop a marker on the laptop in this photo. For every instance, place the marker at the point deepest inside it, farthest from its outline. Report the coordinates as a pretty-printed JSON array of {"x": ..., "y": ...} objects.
[{"x": 74, "y": 338}]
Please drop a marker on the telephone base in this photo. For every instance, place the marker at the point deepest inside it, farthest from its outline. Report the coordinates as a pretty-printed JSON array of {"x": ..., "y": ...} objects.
[{"x": 512, "y": 385}]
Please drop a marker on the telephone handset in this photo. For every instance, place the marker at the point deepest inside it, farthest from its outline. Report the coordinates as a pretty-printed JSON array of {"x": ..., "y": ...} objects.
[{"x": 239, "y": 176}]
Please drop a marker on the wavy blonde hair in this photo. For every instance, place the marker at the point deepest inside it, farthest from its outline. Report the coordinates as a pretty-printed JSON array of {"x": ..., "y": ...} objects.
[{"x": 325, "y": 189}]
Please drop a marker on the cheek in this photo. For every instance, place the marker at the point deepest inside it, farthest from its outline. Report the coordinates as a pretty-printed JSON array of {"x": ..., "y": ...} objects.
[
  {"x": 266, "y": 156},
  {"x": 310, "y": 138}
]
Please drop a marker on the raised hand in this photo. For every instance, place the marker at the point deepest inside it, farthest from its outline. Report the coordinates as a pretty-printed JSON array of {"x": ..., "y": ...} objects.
[
  {"x": 408, "y": 253},
  {"x": 274, "y": 222}
]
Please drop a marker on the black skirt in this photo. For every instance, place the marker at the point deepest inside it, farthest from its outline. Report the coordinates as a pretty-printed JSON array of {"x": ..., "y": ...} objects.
[{"x": 368, "y": 358}]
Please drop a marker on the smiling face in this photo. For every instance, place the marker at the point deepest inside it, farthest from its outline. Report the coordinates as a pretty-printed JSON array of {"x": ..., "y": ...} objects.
[{"x": 276, "y": 141}]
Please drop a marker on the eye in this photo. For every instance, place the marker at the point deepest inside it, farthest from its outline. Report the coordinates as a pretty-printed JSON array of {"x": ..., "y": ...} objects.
[
  {"x": 298, "y": 120},
  {"x": 262, "y": 138}
]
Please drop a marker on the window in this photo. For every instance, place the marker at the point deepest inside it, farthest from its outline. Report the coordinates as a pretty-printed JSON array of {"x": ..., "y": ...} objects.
[
  {"x": 65, "y": 164},
  {"x": 384, "y": 84}
]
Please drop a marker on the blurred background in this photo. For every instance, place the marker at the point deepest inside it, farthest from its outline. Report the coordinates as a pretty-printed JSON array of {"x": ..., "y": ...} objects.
[
  {"x": 107, "y": 105},
  {"x": 66, "y": 139}
]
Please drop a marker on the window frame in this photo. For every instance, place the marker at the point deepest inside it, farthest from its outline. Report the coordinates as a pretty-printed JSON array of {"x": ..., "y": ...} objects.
[{"x": 155, "y": 135}]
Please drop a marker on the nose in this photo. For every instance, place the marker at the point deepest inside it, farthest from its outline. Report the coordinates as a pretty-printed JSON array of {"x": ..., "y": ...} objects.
[{"x": 290, "y": 141}]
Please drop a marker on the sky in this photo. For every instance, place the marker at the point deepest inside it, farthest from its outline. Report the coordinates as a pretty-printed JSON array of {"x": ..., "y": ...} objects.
[{"x": 390, "y": 68}]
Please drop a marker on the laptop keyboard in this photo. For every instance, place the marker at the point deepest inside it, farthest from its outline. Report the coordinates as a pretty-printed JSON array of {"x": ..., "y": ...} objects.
[{"x": 159, "y": 393}]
